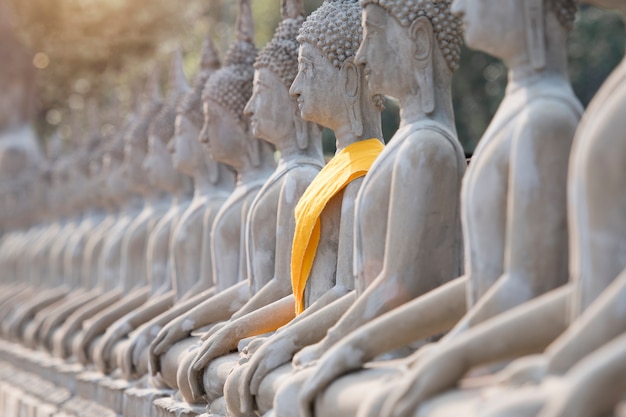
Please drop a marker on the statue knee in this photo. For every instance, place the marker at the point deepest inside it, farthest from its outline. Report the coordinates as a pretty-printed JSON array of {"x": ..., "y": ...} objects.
[
  {"x": 182, "y": 378},
  {"x": 215, "y": 375},
  {"x": 286, "y": 399},
  {"x": 232, "y": 397}
]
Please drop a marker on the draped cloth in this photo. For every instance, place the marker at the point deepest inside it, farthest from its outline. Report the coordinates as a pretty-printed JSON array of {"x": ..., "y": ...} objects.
[{"x": 352, "y": 162}]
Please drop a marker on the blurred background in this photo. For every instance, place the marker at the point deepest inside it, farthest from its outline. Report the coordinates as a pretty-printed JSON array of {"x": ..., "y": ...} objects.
[{"x": 75, "y": 52}]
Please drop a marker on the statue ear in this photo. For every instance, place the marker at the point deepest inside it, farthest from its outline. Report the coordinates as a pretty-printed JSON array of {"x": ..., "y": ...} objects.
[
  {"x": 422, "y": 35},
  {"x": 535, "y": 32},
  {"x": 352, "y": 92}
]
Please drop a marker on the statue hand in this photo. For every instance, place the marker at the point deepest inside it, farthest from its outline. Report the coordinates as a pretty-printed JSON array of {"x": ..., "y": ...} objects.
[
  {"x": 113, "y": 334},
  {"x": 338, "y": 360},
  {"x": 274, "y": 352},
  {"x": 84, "y": 341},
  {"x": 308, "y": 356},
  {"x": 171, "y": 333},
  {"x": 529, "y": 369},
  {"x": 221, "y": 343},
  {"x": 440, "y": 371},
  {"x": 131, "y": 353},
  {"x": 214, "y": 329}
]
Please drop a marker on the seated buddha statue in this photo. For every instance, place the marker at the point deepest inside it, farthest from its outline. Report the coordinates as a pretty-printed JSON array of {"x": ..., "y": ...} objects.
[
  {"x": 272, "y": 305},
  {"x": 497, "y": 186},
  {"x": 122, "y": 206},
  {"x": 230, "y": 142},
  {"x": 177, "y": 266},
  {"x": 144, "y": 227},
  {"x": 115, "y": 260},
  {"x": 579, "y": 372}
]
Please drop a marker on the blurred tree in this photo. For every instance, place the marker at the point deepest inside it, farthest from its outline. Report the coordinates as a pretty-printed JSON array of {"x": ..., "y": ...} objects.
[{"x": 99, "y": 48}]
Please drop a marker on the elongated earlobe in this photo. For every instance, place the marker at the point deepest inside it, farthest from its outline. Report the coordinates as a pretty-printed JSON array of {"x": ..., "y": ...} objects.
[
  {"x": 352, "y": 93},
  {"x": 302, "y": 134},
  {"x": 535, "y": 32},
  {"x": 421, "y": 32}
]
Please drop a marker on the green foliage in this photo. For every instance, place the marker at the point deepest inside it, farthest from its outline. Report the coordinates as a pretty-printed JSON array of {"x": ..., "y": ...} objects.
[{"x": 99, "y": 48}]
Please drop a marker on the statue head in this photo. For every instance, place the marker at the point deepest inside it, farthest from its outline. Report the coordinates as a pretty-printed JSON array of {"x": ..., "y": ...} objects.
[
  {"x": 136, "y": 139},
  {"x": 187, "y": 152},
  {"x": 158, "y": 162},
  {"x": 329, "y": 86},
  {"x": 515, "y": 29},
  {"x": 226, "y": 131},
  {"x": 406, "y": 44},
  {"x": 274, "y": 115}
]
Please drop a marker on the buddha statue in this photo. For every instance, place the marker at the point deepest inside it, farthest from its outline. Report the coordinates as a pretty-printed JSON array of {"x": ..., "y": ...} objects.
[
  {"x": 131, "y": 178},
  {"x": 298, "y": 143},
  {"x": 497, "y": 186},
  {"x": 135, "y": 244},
  {"x": 578, "y": 372},
  {"x": 118, "y": 194},
  {"x": 355, "y": 117},
  {"x": 212, "y": 182},
  {"x": 192, "y": 276},
  {"x": 48, "y": 288},
  {"x": 271, "y": 212}
]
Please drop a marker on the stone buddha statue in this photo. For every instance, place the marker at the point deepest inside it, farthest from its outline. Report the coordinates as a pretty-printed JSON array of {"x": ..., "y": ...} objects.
[
  {"x": 185, "y": 250},
  {"x": 580, "y": 371},
  {"x": 270, "y": 214},
  {"x": 135, "y": 244},
  {"x": 131, "y": 178},
  {"x": 191, "y": 276},
  {"x": 118, "y": 209},
  {"x": 300, "y": 161},
  {"x": 523, "y": 134}
]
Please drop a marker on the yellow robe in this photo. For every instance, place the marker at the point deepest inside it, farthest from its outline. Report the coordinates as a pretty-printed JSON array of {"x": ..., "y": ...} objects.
[{"x": 349, "y": 164}]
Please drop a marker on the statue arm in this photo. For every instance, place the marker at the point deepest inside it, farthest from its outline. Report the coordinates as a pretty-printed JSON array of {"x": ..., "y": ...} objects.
[
  {"x": 594, "y": 386},
  {"x": 524, "y": 330},
  {"x": 602, "y": 321},
  {"x": 263, "y": 320},
  {"x": 217, "y": 308},
  {"x": 98, "y": 324}
]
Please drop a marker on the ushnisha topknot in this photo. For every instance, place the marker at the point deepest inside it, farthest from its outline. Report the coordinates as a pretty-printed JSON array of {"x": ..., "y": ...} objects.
[
  {"x": 163, "y": 124},
  {"x": 138, "y": 131},
  {"x": 565, "y": 11},
  {"x": 191, "y": 105},
  {"x": 447, "y": 27},
  {"x": 334, "y": 28},
  {"x": 281, "y": 54},
  {"x": 231, "y": 86}
]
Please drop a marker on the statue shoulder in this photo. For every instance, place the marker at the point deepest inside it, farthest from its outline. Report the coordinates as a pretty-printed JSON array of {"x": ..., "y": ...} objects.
[
  {"x": 549, "y": 117},
  {"x": 431, "y": 142}
]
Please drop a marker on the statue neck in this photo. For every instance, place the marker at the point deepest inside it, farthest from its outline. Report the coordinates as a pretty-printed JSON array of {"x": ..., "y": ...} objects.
[
  {"x": 412, "y": 111},
  {"x": 248, "y": 172},
  {"x": 521, "y": 71},
  {"x": 290, "y": 151}
]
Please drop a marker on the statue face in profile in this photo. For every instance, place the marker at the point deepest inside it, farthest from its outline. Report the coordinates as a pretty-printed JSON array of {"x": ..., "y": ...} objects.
[
  {"x": 317, "y": 86},
  {"x": 181, "y": 145},
  {"x": 158, "y": 165},
  {"x": 494, "y": 26},
  {"x": 385, "y": 51},
  {"x": 269, "y": 109},
  {"x": 222, "y": 133}
]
